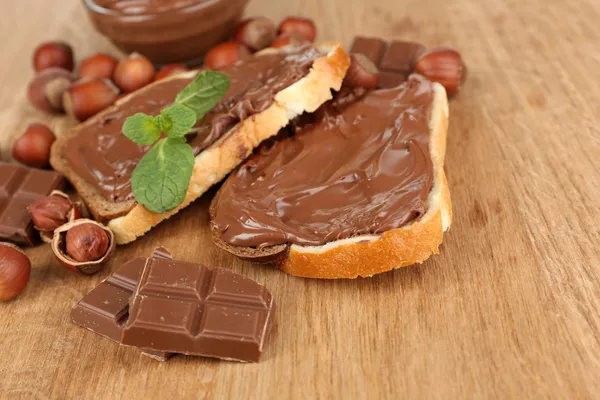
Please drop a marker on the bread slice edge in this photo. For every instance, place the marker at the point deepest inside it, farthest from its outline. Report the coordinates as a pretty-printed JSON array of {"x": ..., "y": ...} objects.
[{"x": 214, "y": 163}]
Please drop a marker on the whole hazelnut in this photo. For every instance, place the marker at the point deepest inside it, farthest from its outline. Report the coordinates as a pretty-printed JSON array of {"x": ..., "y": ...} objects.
[
  {"x": 170, "y": 69},
  {"x": 303, "y": 26},
  {"x": 33, "y": 148},
  {"x": 87, "y": 242},
  {"x": 15, "y": 269},
  {"x": 255, "y": 33},
  {"x": 83, "y": 245},
  {"x": 99, "y": 65},
  {"x": 48, "y": 213},
  {"x": 225, "y": 54},
  {"x": 361, "y": 73},
  {"x": 133, "y": 73},
  {"x": 88, "y": 97},
  {"x": 444, "y": 66},
  {"x": 286, "y": 39},
  {"x": 53, "y": 54},
  {"x": 45, "y": 91}
]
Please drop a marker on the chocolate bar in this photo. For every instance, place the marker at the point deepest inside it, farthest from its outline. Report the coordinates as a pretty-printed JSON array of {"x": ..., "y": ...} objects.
[
  {"x": 187, "y": 308},
  {"x": 105, "y": 309},
  {"x": 20, "y": 187},
  {"x": 395, "y": 61}
]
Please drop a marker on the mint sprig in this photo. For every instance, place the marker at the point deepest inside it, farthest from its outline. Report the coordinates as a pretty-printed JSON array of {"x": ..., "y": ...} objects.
[{"x": 162, "y": 176}]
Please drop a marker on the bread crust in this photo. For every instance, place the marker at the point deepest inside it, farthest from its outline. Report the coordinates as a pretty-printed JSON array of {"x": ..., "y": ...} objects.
[
  {"x": 215, "y": 162},
  {"x": 373, "y": 254}
]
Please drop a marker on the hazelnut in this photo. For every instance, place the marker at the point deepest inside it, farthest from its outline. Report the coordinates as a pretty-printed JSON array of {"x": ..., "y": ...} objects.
[
  {"x": 362, "y": 72},
  {"x": 99, "y": 65},
  {"x": 15, "y": 269},
  {"x": 133, "y": 73},
  {"x": 225, "y": 54},
  {"x": 442, "y": 65},
  {"x": 50, "y": 212},
  {"x": 46, "y": 89},
  {"x": 53, "y": 54},
  {"x": 303, "y": 26},
  {"x": 170, "y": 69},
  {"x": 286, "y": 39},
  {"x": 255, "y": 33},
  {"x": 88, "y": 97},
  {"x": 33, "y": 148},
  {"x": 83, "y": 245}
]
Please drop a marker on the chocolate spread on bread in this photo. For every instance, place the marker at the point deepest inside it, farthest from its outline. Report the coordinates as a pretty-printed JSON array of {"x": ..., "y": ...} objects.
[
  {"x": 360, "y": 167},
  {"x": 105, "y": 158}
]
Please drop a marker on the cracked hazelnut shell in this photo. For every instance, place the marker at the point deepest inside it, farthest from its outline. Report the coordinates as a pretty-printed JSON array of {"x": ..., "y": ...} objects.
[{"x": 83, "y": 239}]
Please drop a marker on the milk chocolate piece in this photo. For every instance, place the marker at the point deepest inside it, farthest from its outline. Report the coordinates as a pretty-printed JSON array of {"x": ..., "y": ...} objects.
[
  {"x": 20, "y": 187},
  {"x": 401, "y": 57},
  {"x": 395, "y": 61},
  {"x": 373, "y": 48},
  {"x": 187, "y": 308},
  {"x": 105, "y": 309}
]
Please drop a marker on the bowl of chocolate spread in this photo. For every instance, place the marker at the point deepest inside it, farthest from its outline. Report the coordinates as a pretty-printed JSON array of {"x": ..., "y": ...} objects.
[{"x": 166, "y": 31}]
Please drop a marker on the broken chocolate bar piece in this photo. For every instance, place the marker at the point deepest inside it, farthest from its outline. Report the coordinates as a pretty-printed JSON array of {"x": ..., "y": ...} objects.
[
  {"x": 105, "y": 309},
  {"x": 395, "y": 61},
  {"x": 187, "y": 308},
  {"x": 20, "y": 187}
]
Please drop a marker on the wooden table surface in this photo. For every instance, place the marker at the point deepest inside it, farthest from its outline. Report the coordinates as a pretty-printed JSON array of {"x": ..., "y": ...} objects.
[{"x": 508, "y": 309}]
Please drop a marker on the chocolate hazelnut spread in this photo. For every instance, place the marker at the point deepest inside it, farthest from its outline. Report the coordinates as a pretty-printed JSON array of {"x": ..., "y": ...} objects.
[
  {"x": 361, "y": 167},
  {"x": 139, "y": 7},
  {"x": 105, "y": 158}
]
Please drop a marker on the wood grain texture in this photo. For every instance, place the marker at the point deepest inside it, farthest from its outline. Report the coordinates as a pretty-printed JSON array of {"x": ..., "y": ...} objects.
[{"x": 508, "y": 310}]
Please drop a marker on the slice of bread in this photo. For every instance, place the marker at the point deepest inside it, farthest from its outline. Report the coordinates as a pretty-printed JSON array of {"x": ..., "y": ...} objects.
[
  {"x": 129, "y": 220},
  {"x": 368, "y": 255}
]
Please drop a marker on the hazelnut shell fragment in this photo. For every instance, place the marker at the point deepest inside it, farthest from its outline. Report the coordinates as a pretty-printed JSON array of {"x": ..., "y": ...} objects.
[{"x": 59, "y": 246}]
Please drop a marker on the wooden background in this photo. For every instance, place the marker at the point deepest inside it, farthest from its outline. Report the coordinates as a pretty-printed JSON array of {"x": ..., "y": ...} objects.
[{"x": 510, "y": 307}]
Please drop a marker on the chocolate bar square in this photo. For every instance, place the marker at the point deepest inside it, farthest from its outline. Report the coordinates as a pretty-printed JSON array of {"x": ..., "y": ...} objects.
[
  {"x": 20, "y": 187},
  {"x": 105, "y": 309},
  {"x": 188, "y": 308},
  {"x": 395, "y": 61}
]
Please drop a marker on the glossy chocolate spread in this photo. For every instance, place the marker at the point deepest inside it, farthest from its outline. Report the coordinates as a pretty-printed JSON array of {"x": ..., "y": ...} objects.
[
  {"x": 105, "y": 158},
  {"x": 139, "y": 7},
  {"x": 361, "y": 167}
]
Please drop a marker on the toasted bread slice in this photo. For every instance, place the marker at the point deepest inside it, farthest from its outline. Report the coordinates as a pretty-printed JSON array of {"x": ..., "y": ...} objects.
[
  {"x": 368, "y": 255},
  {"x": 130, "y": 220}
]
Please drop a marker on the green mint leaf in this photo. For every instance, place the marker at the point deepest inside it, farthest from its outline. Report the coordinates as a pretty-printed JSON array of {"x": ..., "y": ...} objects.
[
  {"x": 204, "y": 92},
  {"x": 142, "y": 129},
  {"x": 177, "y": 120},
  {"x": 161, "y": 178}
]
